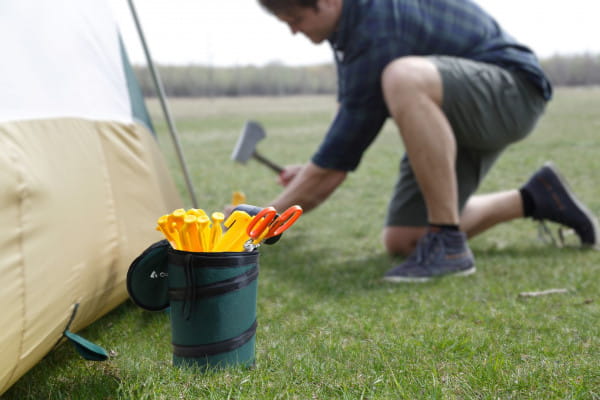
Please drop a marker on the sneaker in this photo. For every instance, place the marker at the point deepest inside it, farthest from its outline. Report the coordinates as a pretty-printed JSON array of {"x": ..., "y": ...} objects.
[
  {"x": 438, "y": 253},
  {"x": 554, "y": 201}
]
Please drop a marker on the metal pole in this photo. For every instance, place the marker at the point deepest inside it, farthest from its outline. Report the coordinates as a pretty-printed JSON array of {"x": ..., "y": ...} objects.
[{"x": 164, "y": 105}]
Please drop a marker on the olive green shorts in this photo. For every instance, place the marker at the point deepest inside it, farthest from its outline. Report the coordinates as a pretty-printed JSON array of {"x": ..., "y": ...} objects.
[{"x": 488, "y": 108}]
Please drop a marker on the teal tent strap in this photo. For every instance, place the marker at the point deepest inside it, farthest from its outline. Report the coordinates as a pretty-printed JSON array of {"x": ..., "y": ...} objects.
[
  {"x": 88, "y": 350},
  {"x": 136, "y": 97}
]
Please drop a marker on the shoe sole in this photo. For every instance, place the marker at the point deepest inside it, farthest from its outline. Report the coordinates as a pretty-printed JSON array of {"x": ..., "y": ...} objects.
[
  {"x": 579, "y": 205},
  {"x": 416, "y": 279}
]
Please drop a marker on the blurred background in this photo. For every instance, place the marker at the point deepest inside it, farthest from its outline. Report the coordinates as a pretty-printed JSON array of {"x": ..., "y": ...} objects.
[{"x": 235, "y": 47}]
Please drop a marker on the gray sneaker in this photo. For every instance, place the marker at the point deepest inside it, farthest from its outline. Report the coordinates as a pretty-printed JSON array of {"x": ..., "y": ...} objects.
[
  {"x": 554, "y": 201},
  {"x": 438, "y": 253}
]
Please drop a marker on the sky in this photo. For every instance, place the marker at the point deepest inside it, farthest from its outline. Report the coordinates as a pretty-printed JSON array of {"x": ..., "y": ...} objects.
[{"x": 240, "y": 32}]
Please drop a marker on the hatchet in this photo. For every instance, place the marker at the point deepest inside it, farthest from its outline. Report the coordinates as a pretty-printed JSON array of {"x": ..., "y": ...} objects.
[{"x": 245, "y": 148}]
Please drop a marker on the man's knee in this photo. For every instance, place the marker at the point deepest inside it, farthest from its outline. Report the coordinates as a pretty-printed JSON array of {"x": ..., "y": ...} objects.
[
  {"x": 405, "y": 78},
  {"x": 401, "y": 240}
]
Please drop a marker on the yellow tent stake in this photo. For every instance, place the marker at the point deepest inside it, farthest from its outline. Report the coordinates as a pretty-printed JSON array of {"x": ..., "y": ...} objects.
[
  {"x": 216, "y": 230},
  {"x": 197, "y": 212},
  {"x": 165, "y": 227},
  {"x": 175, "y": 220},
  {"x": 236, "y": 225},
  {"x": 238, "y": 244},
  {"x": 190, "y": 233},
  {"x": 238, "y": 198},
  {"x": 204, "y": 233}
]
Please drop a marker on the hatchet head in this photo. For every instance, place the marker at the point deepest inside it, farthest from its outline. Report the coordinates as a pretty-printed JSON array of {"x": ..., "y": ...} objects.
[{"x": 252, "y": 133}]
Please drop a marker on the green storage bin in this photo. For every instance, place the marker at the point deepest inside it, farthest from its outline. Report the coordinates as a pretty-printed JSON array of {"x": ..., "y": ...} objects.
[{"x": 213, "y": 308}]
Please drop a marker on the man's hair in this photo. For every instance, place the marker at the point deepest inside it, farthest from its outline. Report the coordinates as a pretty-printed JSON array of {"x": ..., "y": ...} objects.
[{"x": 276, "y": 6}]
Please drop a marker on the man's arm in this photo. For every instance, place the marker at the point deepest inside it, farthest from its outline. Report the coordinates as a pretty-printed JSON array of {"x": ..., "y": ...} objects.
[{"x": 310, "y": 187}]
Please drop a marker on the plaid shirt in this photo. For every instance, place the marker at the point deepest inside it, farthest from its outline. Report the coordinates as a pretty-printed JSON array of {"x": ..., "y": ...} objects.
[{"x": 372, "y": 33}]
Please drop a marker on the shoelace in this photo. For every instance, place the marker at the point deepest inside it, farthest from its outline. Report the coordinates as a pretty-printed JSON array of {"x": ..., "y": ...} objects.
[
  {"x": 545, "y": 235},
  {"x": 426, "y": 243}
]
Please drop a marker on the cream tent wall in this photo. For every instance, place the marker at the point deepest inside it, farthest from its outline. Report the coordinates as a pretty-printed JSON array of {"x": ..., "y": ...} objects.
[{"x": 82, "y": 180}]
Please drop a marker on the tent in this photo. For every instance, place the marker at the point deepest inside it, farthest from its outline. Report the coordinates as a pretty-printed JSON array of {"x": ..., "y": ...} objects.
[{"x": 81, "y": 173}]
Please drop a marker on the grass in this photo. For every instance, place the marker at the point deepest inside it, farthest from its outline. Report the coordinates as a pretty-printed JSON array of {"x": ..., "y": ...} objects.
[{"x": 329, "y": 328}]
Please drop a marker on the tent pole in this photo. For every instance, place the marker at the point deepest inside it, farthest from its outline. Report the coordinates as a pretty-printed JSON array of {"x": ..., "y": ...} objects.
[{"x": 164, "y": 105}]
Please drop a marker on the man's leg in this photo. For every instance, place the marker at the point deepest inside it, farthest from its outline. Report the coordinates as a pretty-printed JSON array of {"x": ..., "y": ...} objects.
[
  {"x": 413, "y": 91},
  {"x": 487, "y": 109},
  {"x": 551, "y": 199},
  {"x": 483, "y": 109},
  {"x": 484, "y": 211},
  {"x": 480, "y": 213},
  {"x": 546, "y": 196}
]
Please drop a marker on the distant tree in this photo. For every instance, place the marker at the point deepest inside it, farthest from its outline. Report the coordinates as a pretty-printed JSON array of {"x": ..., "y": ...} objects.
[
  {"x": 277, "y": 79},
  {"x": 579, "y": 70}
]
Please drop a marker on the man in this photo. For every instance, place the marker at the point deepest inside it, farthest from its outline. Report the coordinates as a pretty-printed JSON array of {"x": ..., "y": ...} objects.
[{"x": 460, "y": 90}]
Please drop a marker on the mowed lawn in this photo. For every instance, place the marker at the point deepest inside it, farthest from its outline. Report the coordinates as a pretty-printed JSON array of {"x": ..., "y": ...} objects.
[{"x": 328, "y": 326}]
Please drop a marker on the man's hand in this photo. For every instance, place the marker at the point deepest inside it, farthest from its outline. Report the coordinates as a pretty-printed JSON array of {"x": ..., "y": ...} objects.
[
  {"x": 289, "y": 173},
  {"x": 307, "y": 186}
]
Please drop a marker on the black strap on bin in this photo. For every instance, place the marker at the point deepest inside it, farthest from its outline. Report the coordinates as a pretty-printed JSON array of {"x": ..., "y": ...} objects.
[
  {"x": 211, "y": 349},
  {"x": 181, "y": 259},
  {"x": 214, "y": 289}
]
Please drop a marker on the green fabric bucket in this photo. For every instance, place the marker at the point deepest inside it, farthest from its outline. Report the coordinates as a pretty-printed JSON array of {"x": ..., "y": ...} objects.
[{"x": 213, "y": 308}]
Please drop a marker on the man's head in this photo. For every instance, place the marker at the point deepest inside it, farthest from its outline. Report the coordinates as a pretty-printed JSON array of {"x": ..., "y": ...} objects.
[{"x": 316, "y": 19}]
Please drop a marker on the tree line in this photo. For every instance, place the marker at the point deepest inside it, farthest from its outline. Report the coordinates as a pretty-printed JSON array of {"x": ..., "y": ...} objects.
[
  {"x": 280, "y": 80},
  {"x": 581, "y": 70},
  {"x": 271, "y": 80}
]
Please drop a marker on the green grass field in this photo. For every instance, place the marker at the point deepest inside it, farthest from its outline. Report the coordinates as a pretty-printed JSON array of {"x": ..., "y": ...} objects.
[{"x": 329, "y": 328}]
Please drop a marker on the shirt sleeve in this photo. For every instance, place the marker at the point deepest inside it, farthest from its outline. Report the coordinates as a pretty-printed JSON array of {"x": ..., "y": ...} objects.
[
  {"x": 362, "y": 110},
  {"x": 350, "y": 134}
]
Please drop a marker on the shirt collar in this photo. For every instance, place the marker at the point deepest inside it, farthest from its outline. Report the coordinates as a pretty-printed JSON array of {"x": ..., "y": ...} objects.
[{"x": 348, "y": 20}]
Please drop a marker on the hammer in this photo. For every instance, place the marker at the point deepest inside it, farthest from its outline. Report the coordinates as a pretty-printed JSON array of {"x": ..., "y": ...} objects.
[{"x": 245, "y": 148}]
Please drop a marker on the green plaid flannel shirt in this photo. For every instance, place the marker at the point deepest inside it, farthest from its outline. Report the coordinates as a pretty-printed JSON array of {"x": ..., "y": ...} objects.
[{"x": 372, "y": 33}]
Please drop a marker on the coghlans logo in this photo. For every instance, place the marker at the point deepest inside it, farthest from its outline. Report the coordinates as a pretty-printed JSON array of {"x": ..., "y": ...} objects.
[{"x": 155, "y": 275}]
